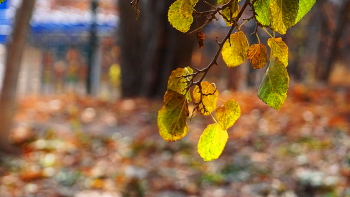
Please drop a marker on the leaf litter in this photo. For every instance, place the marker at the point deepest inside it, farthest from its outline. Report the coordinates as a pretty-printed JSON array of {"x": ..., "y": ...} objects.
[{"x": 77, "y": 146}]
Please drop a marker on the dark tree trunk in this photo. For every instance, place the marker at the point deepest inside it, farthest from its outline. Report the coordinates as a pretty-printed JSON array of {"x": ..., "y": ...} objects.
[
  {"x": 343, "y": 18},
  {"x": 150, "y": 48},
  {"x": 13, "y": 61},
  {"x": 93, "y": 45},
  {"x": 328, "y": 54},
  {"x": 296, "y": 47}
]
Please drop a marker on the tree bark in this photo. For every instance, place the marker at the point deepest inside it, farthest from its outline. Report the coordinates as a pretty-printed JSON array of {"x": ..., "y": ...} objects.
[
  {"x": 150, "y": 48},
  {"x": 12, "y": 67}
]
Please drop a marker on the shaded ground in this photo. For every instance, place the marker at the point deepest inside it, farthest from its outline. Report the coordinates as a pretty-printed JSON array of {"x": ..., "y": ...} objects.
[{"x": 75, "y": 146}]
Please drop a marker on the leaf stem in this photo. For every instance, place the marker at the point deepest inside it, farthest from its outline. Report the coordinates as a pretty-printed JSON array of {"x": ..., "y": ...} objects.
[
  {"x": 239, "y": 28},
  {"x": 213, "y": 118},
  {"x": 267, "y": 32},
  {"x": 257, "y": 36}
]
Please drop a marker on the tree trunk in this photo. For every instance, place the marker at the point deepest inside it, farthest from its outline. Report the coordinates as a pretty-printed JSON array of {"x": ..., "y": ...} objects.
[
  {"x": 93, "y": 46},
  {"x": 150, "y": 48},
  {"x": 343, "y": 18},
  {"x": 327, "y": 57},
  {"x": 12, "y": 67}
]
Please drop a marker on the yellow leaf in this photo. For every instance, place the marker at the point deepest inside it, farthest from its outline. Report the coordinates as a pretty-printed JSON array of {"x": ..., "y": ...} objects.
[
  {"x": 257, "y": 54},
  {"x": 209, "y": 96},
  {"x": 230, "y": 12},
  {"x": 172, "y": 117},
  {"x": 235, "y": 49},
  {"x": 178, "y": 83},
  {"x": 180, "y": 14},
  {"x": 227, "y": 114},
  {"x": 279, "y": 49},
  {"x": 187, "y": 6},
  {"x": 212, "y": 142},
  {"x": 283, "y": 14}
]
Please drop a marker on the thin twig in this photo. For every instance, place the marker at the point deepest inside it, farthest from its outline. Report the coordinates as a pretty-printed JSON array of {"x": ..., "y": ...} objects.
[
  {"x": 212, "y": 6},
  {"x": 211, "y": 14}
]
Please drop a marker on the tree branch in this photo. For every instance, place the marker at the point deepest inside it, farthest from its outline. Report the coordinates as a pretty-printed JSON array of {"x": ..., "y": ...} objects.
[
  {"x": 211, "y": 14},
  {"x": 213, "y": 62}
]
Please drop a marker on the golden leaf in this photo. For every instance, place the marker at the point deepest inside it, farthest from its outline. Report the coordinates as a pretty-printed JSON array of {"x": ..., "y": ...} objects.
[
  {"x": 209, "y": 96},
  {"x": 180, "y": 14},
  {"x": 228, "y": 113},
  {"x": 212, "y": 142},
  {"x": 178, "y": 83},
  {"x": 283, "y": 14},
  {"x": 279, "y": 49},
  {"x": 235, "y": 49},
  {"x": 172, "y": 117},
  {"x": 230, "y": 12}
]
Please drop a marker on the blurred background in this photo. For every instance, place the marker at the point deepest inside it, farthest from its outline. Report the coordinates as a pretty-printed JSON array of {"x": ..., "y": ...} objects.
[
  {"x": 81, "y": 83},
  {"x": 58, "y": 46}
]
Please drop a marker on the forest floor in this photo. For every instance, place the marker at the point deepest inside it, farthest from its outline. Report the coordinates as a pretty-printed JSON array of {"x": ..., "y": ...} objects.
[{"x": 85, "y": 147}]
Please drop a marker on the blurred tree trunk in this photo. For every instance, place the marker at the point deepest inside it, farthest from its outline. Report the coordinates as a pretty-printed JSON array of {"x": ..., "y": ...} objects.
[
  {"x": 92, "y": 49},
  {"x": 303, "y": 41},
  {"x": 331, "y": 40},
  {"x": 12, "y": 67},
  {"x": 150, "y": 48}
]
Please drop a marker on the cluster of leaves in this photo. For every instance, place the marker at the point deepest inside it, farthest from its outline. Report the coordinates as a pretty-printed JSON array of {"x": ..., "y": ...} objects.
[
  {"x": 172, "y": 118},
  {"x": 270, "y": 15}
]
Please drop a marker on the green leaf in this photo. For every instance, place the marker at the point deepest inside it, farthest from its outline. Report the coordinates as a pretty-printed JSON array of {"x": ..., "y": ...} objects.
[
  {"x": 180, "y": 14},
  {"x": 262, "y": 9},
  {"x": 178, "y": 83},
  {"x": 209, "y": 96},
  {"x": 279, "y": 49},
  {"x": 304, "y": 7},
  {"x": 283, "y": 14},
  {"x": 212, "y": 142},
  {"x": 172, "y": 116},
  {"x": 228, "y": 113},
  {"x": 235, "y": 49},
  {"x": 274, "y": 86}
]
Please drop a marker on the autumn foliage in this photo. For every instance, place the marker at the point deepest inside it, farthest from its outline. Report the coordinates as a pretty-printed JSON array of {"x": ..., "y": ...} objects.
[{"x": 187, "y": 85}]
